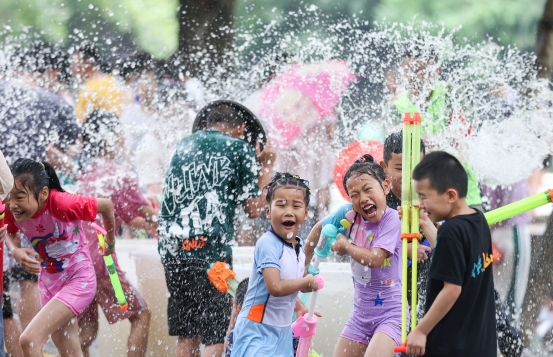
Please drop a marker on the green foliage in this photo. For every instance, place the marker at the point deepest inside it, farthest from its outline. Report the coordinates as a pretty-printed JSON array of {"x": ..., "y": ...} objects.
[
  {"x": 511, "y": 22},
  {"x": 152, "y": 24}
]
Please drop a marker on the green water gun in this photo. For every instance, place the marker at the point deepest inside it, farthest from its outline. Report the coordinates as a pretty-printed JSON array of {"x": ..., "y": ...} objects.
[
  {"x": 518, "y": 207},
  {"x": 115, "y": 282}
]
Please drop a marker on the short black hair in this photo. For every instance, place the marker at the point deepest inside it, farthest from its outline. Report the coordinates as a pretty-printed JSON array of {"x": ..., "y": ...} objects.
[
  {"x": 394, "y": 145},
  {"x": 225, "y": 114},
  {"x": 137, "y": 63},
  {"x": 444, "y": 172},
  {"x": 90, "y": 53},
  {"x": 241, "y": 292}
]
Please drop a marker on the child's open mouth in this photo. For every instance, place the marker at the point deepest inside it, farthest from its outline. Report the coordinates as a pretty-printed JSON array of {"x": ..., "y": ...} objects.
[
  {"x": 370, "y": 210},
  {"x": 288, "y": 224},
  {"x": 18, "y": 213}
]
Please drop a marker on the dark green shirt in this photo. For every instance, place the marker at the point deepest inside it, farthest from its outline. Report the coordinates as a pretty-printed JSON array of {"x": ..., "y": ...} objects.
[{"x": 210, "y": 175}]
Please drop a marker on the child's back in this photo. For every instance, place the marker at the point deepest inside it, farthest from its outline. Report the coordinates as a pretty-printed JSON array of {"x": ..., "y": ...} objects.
[
  {"x": 463, "y": 256},
  {"x": 209, "y": 175}
]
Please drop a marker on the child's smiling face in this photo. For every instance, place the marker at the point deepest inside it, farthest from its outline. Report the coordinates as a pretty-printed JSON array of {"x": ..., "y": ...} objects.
[
  {"x": 23, "y": 204},
  {"x": 368, "y": 196},
  {"x": 287, "y": 211}
]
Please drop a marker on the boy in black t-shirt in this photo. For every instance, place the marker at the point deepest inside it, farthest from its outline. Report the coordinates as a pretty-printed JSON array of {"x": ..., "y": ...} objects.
[{"x": 460, "y": 308}]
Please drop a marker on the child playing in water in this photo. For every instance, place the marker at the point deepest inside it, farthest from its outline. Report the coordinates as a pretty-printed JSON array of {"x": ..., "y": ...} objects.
[
  {"x": 52, "y": 220},
  {"x": 264, "y": 327},
  {"x": 373, "y": 243},
  {"x": 460, "y": 277},
  {"x": 103, "y": 177},
  {"x": 212, "y": 172}
]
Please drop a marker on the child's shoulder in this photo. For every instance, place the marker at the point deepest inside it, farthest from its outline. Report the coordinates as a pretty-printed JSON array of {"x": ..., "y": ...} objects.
[
  {"x": 268, "y": 239},
  {"x": 390, "y": 216},
  {"x": 475, "y": 219}
]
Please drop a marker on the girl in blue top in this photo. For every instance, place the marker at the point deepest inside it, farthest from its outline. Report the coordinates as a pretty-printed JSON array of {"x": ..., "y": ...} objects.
[
  {"x": 263, "y": 327},
  {"x": 373, "y": 242}
]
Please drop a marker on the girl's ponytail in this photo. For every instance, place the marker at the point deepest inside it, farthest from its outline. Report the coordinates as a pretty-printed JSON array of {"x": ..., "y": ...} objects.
[{"x": 53, "y": 180}]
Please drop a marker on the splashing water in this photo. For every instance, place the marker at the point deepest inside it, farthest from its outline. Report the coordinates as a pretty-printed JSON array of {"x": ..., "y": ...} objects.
[{"x": 495, "y": 110}]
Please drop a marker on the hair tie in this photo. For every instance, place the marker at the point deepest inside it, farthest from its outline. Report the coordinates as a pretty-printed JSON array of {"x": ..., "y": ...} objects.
[{"x": 361, "y": 159}]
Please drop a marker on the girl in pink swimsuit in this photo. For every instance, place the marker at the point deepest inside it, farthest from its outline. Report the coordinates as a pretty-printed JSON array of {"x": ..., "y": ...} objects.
[{"x": 52, "y": 220}]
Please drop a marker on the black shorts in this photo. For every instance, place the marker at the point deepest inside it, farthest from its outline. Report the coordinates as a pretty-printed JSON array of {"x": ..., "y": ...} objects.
[
  {"x": 195, "y": 307},
  {"x": 17, "y": 274},
  {"x": 7, "y": 310}
]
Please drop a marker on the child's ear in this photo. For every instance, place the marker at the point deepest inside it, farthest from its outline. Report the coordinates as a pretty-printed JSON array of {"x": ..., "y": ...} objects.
[
  {"x": 386, "y": 185},
  {"x": 384, "y": 166},
  {"x": 268, "y": 212},
  {"x": 306, "y": 214},
  {"x": 43, "y": 196},
  {"x": 452, "y": 195}
]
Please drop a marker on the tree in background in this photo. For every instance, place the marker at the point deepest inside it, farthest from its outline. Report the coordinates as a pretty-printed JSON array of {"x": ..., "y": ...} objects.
[{"x": 206, "y": 32}]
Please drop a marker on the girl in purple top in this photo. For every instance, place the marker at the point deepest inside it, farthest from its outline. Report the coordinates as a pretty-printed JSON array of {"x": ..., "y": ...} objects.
[
  {"x": 52, "y": 221},
  {"x": 373, "y": 243}
]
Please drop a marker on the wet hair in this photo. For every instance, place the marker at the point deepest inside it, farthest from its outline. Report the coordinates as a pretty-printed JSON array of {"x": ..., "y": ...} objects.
[
  {"x": 42, "y": 57},
  {"x": 394, "y": 145},
  {"x": 365, "y": 165},
  {"x": 224, "y": 114},
  {"x": 91, "y": 54},
  {"x": 420, "y": 49},
  {"x": 286, "y": 180},
  {"x": 100, "y": 132},
  {"x": 241, "y": 292},
  {"x": 34, "y": 176},
  {"x": 444, "y": 172},
  {"x": 137, "y": 63}
]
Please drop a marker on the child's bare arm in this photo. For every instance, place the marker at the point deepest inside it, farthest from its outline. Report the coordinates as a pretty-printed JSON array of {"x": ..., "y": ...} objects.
[
  {"x": 428, "y": 228},
  {"x": 278, "y": 287},
  {"x": 13, "y": 241},
  {"x": 233, "y": 318},
  {"x": 371, "y": 258},
  {"x": 105, "y": 208},
  {"x": 311, "y": 243},
  {"x": 254, "y": 206},
  {"x": 416, "y": 341}
]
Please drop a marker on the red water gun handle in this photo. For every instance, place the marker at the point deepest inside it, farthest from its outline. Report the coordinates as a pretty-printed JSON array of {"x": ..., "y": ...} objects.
[{"x": 401, "y": 349}]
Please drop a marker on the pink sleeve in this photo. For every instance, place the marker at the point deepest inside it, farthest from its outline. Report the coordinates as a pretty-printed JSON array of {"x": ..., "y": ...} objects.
[
  {"x": 129, "y": 200},
  {"x": 389, "y": 233},
  {"x": 68, "y": 207},
  {"x": 9, "y": 220}
]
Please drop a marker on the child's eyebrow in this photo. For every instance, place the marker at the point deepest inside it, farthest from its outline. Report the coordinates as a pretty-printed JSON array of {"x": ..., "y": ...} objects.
[
  {"x": 298, "y": 201},
  {"x": 283, "y": 201}
]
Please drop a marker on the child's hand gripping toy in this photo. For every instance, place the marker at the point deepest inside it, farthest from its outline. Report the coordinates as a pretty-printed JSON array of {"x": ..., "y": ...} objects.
[
  {"x": 327, "y": 239},
  {"x": 115, "y": 282},
  {"x": 222, "y": 278},
  {"x": 306, "y": 327}
]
